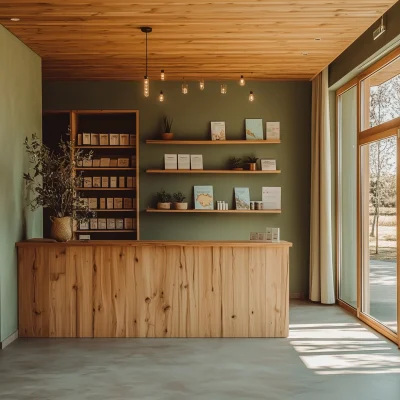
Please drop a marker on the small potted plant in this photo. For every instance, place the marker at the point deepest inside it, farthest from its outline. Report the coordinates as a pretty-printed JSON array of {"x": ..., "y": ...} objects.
[
  {"x": 180, "y": 203},
  {"x": 235, "y": 163},
  {"x": 163, "y": 200},
  {"x": 167, "y": 135},
  {"x": 252, "y": 161}
]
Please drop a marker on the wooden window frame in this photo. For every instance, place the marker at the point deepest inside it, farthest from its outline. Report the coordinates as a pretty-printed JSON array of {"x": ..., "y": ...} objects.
[{"x": 369, "y": 135}]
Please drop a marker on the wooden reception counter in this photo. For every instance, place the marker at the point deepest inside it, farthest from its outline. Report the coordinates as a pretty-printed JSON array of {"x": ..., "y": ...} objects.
[{"x": 153, "y": 289}]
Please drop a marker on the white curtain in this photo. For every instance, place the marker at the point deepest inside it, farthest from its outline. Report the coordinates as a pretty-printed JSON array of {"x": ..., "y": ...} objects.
[{"x": 321, "y": 247}]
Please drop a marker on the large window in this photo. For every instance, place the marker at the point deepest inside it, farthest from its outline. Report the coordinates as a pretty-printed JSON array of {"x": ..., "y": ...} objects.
[{"x": 368, "y": 153}]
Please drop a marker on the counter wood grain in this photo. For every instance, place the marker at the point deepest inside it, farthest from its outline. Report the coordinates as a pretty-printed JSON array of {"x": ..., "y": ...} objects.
[{"x": 153, "y": 289}]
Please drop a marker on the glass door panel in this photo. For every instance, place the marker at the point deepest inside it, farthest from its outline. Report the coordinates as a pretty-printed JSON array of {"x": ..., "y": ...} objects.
[{"x": 378, "y": 166}]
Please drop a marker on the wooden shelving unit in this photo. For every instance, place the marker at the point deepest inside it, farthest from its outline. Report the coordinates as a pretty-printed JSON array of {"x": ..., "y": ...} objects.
[
  {"x": 114, "y": 210},
  {"x": 207, "y": 171},
  {"x": 105, "y": 231},
  {"x": 117, "y": 122},
  {"x": 105, "y": 147},
  {"x": 104, "y": 169},
  {"x": 154, "y": 210},
  {"x": 102, "y": 189},
  {"x": 212, "y": 142}
]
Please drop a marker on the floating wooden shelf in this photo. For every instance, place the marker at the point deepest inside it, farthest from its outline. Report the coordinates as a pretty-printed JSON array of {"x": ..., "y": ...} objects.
[
  {"x": 105, "y": 230},
  {"x": 105, "y": 147},
  {"x": 207, "y": 171},
  {"x": 113, "y": 210},
  {"x": 105, "y": 169},
  {"x": 213, "y": 142},
  {"x": 154, "y": 210},
  {"x": 100, "y": 189}
]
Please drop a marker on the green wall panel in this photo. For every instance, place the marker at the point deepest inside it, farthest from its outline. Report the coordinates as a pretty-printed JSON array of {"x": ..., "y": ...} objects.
[
  {"x": 287, "y": 102},
  {"x": 20, "y": 116}
]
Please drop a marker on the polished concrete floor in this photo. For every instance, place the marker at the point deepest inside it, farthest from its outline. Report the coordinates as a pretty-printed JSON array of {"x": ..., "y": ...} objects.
[{"x": 329, "y": 355}]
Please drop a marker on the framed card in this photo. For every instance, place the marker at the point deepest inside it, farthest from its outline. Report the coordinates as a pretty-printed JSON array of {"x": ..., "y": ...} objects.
[
  {"x": 196, "y": 161},
  {"x": 218, "y": 131},
  {"x": 171, "y": 161},
  {"x": 268, "y": 165},
  {"x": 110, "y": 203},
  {"x": 114, "y": 139},
  {"x": 183, "y": 161},
  {"x": 242, "y": 198},
  {"x": 254, "y": 129},
  {"x": 103, "y": 139},
  {"x": 93, "y": 223},
  {"x": 94, "y": 139},
  {"x": 110, "y": 223},
  {"x": 86, "y": 139},
  {"x": 124, "y": 139},
  {"x": 273, "y": 130},
  {"x": 105, "y": 181},
  {"x": 101, "y": 223},
  {"x": 203, "y": 198}
]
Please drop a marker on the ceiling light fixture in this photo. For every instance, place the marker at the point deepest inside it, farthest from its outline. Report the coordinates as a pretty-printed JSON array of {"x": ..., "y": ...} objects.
[
  {"x": 15, "y": 19},
  {"x": 224, "y": 88},
  {"x": 201, "y": 84},
  {"x": 146, "y": 83},
  {"x": 161, "y": 96},
  {"x": 162, "y": 75},
  {"x": 251, "y": 96},
  {"x": 185, "y": 87},
  {"x": 242, "y": 82}
]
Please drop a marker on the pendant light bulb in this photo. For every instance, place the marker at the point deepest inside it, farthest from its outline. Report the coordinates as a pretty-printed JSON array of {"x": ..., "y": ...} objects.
[
  {"x": 224, "y": 88},
  {"x": 185, "y": 88},
  {"x": 251, "y": 96},
  {"x": 201, "y": 84},
  {"x": 242, "y": 82},
  {"x": 162, "y": 75},
  {"x": 161, "y": 96},
  {"x": 146, "y": 86}
]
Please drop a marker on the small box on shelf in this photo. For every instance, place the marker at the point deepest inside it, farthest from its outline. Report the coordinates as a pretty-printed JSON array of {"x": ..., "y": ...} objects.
[
  {"x": 132, "y": 140},
  {"x": 80, "y": 139},
  {"x": 104, "y": 162},
  {"x": 114, "y": 139},
  {"x": 119, "y": 224},
  {"x": 102, "y": 223},
  {"x": 110, "y": 203},
  {"x": 113, "y": 182},
  {"x": 118, "y": 202},
  {"x": 83, "y": 225},
  {"x": 123, "y": 162},
  {"x": 105, "y": 181},
  {"x": 113, "y": 162},
  {"x": 87, "y": 182},
  {"x": 103, "y": 139},
  {"x": 97, "y": 181},
  {"x": 128, "y": 203},
  {"x": 86, "y": 139},
  {"x": 93, "y": 223},
  {"x": 87, "y": 163},
  {"x": 121, "y": 181},
  {"x": 130, "y": 181},
  {"x": 92, "y": 203},
  {"x": 128, "y": 223},
  {"x": 102, "y": 203},
  {"x": 96, "y": 162},
  {"x": 111, "y": 223},
  {"x": 94, "y": 139},
  {"x": 124, "y": 139}
]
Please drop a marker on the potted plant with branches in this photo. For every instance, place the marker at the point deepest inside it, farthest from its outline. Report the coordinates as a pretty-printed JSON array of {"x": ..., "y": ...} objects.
[
  {"x": 52, "y": 182},
  {"x": 252, "y": 161},
  {"x": 179, "y": 203},
  {"x": 163, "y": 200},
  {"x": 167, "y": 134},
  {"x": 236, "y": 163}
]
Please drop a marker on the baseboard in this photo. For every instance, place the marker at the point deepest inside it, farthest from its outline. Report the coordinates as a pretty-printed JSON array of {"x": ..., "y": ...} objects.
[
  {"x": 9, "y": 340},
  {"x": 297, "y": 296}
]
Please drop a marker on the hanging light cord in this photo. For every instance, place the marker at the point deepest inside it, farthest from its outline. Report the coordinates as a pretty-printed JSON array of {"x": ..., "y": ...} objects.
[{"x": 146, "y": 54}]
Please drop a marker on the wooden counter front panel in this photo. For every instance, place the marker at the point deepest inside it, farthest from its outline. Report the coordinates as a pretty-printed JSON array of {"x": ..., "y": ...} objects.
[{"x": 153, "y": 291}]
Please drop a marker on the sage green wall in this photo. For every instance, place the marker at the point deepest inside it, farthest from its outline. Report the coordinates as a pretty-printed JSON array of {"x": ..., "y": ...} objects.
[
  {"x": 287, "y": 102},
  {"x": 20, "y": 116}
]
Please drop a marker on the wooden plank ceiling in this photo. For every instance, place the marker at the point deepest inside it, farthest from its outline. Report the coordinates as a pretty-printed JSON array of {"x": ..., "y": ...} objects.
[{"x": 261, "y": 39}]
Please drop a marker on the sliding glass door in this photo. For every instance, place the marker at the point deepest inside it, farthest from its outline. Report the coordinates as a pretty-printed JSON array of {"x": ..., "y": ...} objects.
[
  {"x": 368, "y": 155},
  {"x": 378, "y": 171}
]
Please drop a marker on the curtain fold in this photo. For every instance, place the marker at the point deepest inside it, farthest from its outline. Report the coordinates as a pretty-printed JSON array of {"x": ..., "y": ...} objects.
[{"x": 321, "y": 246}]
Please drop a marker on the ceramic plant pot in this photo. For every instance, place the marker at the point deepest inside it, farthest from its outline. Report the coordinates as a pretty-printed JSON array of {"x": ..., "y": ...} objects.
[
  {"x": 61, "y": 229},
  {"x": 167, "y": 136},
  {"x": 164, "y": 206},
  {"x": 181, "y": 206}
]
